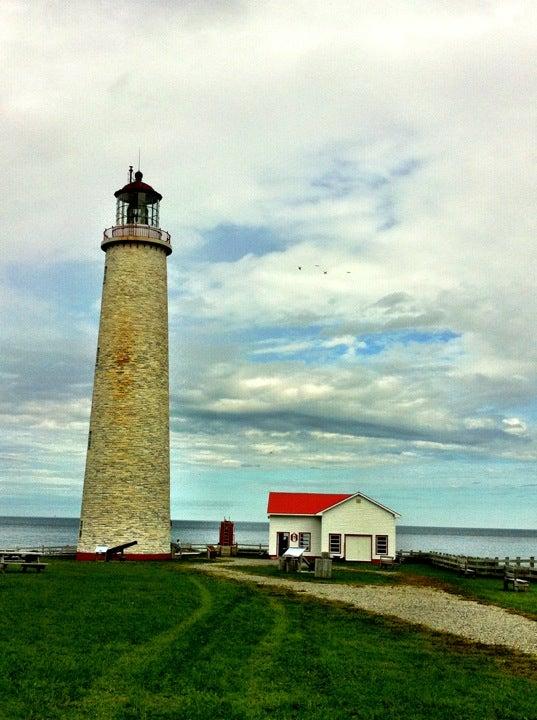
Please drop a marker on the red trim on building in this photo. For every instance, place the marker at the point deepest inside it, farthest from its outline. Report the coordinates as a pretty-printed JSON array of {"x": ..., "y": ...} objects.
[
  {"x": 282, "y": 503},
  {"x": 127, "y": 556}
]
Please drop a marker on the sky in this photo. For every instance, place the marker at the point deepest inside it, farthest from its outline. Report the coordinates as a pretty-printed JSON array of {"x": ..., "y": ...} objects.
[{"x": 350, "y": 190}]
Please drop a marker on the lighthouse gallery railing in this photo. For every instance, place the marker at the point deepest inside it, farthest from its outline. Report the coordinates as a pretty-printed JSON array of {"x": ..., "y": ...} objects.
[{"x": 142, "y": 231}]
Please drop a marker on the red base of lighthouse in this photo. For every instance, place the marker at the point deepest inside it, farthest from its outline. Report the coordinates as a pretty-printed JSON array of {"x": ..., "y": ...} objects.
[{"x": 91, "y": 557}]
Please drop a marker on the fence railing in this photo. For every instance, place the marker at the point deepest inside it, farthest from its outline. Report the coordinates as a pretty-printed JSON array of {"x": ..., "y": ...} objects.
[
  {"x": 202, "y": 546},
  {"x": 182, "y": 546},
  {"x": 134, "y": 230},
  {"x": 48, "y": 550},
  {"x": 523, "y": 567},
  {"x": 143, "y": 233}
]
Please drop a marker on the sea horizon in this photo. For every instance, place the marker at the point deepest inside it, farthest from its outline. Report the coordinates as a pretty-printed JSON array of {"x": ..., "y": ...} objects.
[
  {"x": 453, "y": 528},
  {"x": 43, "y": 531}
]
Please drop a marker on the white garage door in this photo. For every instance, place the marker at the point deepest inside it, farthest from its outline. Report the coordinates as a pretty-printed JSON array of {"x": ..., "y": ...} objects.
[{"x": 358, "y": 547}]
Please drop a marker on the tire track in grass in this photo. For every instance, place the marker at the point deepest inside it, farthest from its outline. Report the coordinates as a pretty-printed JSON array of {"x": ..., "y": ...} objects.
[
  {"x": 226, "y": 690},
  {"x": 111, "y": 692},
  {"x": 262, "y": 662},
  {"x": 256, "y": 688}
]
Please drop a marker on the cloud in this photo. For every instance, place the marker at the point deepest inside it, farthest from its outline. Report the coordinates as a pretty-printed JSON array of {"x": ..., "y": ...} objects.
[
  {"x": 514, "y": 426},
  {"x": 351, "y": 200}
]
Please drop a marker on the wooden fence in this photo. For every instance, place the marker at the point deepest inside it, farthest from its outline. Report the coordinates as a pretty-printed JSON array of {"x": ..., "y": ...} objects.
[
  {"x": 69, "y": 551},
  {"x": 47, "y": 550},
  {"x": 254, "y": 550},
  {"x": 525, "y": 568}
]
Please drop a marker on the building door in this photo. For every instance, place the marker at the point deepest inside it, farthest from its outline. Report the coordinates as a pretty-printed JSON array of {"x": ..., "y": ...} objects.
[
  {"x": 358, "y": 548},
  {"x": 282, "y": 542}
]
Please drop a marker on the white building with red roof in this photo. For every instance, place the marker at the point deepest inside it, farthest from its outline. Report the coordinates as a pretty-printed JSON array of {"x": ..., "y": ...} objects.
[{"x": 348, "y": 526}]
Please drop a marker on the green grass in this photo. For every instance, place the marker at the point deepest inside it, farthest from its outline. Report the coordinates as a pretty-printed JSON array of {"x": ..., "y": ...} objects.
[
  {"x": 349, "y": 574},
  {"x": 126, "y": 641}
]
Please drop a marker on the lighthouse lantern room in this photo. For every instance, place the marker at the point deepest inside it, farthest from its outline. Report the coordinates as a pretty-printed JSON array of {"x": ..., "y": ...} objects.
[{"x": 137, "y": 203}]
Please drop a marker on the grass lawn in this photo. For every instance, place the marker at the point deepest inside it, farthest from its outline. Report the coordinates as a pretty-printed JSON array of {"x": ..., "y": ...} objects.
[
  {"x": 159, "y": 641},
  {"x": 350, "y": 574}
]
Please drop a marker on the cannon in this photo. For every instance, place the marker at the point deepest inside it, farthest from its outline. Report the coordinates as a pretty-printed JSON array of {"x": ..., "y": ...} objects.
[{"x": 116, "y": 553}]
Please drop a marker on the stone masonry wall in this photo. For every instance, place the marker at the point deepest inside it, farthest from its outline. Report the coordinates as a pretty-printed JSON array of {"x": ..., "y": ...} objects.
[{"x": 127, "y": 481}]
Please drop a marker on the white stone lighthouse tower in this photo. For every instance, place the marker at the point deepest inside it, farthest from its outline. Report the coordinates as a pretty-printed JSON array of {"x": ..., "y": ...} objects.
[{"x": 127, "y": 481}]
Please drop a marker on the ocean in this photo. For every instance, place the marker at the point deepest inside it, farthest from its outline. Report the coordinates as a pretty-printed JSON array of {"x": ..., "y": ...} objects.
[{"x": 19, "y": 532}]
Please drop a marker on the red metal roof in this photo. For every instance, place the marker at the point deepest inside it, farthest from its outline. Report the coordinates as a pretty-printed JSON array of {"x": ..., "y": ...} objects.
[
  {"x": 285, "y": 503},
  {"x": 139, "y": 186}
]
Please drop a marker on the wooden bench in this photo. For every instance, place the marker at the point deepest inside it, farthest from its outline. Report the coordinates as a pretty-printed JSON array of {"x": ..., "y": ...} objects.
[
  {"x": 518, "y": 584},
  {"x": 386, "y": 561},
  {"x": 466, "y": 571}
]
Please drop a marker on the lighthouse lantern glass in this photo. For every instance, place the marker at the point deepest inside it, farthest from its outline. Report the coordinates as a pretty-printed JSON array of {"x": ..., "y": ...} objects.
[{"x": 135, "y": 208}]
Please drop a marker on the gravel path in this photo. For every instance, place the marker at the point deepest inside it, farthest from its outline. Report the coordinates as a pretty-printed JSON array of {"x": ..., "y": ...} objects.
[{"x": 487, "y": 624}]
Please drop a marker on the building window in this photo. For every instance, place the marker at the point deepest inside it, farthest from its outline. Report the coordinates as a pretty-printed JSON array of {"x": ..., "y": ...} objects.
[
  {"x": 334, "y": 544},
  {"x": 304, "y": 541},
  {"x": 381, "y": 545}
]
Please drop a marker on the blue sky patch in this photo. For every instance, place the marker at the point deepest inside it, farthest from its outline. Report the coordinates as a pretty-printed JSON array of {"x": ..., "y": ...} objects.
[
  {"x": 378, "y": 342},
  {"x": 344, "y": 178},
  {"x": 73, "y": 285},
  {"x": 228, "y": 242},
  {"x": 316, "y": 346},
  {"x": 406, "y": 167}
]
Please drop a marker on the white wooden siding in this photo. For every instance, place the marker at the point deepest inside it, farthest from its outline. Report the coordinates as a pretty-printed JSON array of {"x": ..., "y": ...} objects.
[
  {"x": 358, "y": 518},
  {"x": 295, "y": 524}
]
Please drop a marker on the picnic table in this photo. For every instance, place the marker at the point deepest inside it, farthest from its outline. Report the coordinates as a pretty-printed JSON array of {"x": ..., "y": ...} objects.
[{"x": 25, "y": 560}]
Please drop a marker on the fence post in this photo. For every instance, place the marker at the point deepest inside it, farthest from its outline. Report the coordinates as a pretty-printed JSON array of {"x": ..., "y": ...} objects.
[
  {"x": 532, "y": 562},
  {"x": 518, "y": 562}
]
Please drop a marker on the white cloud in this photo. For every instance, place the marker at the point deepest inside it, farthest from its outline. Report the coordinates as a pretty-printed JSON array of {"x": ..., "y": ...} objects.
[
  {"x": 387, "y": 148},
  {"x": 514, "y": 426}
]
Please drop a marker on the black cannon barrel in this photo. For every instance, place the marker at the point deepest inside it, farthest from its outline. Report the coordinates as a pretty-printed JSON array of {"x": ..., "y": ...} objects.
[{"x": 119, "y": 548}]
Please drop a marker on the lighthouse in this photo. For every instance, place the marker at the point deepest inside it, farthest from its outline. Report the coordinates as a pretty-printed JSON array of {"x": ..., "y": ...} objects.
[{"x": 126, "y": 497}]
